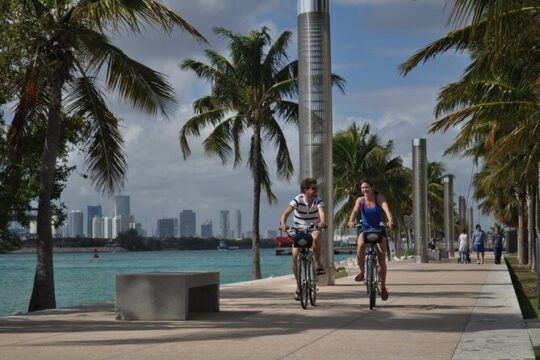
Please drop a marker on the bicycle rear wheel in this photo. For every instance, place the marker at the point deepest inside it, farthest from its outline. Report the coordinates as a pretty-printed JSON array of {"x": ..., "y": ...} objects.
[
  {"x": 303, "y": 281},
  {"x": 312, "y": 283}
]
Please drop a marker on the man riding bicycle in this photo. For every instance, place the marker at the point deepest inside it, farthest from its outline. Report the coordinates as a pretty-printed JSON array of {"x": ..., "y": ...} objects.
[
  {"x": 308, "y": 210},
  {"x": 371, "y": 205}
]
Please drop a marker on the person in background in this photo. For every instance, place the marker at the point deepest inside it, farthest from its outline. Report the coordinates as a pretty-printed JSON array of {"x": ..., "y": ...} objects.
[
  {"x": 479, "y": 242},
  {"x": 498, "y": 244},
  {"x": 463, "y": 246}
]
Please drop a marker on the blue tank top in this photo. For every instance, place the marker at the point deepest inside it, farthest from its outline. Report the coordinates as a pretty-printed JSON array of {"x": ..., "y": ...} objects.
[{"x": 371, "y": 217}]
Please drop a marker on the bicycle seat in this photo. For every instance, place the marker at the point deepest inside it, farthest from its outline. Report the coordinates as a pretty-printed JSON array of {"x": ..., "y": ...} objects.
[
  {"x": 372, "y": 235},
  {"x": 302, "y": 240}
]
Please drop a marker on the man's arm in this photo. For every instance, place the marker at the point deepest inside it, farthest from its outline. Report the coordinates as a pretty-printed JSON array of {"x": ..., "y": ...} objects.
[
  {"x": 322, "y": 217},
  {"x": 284, "y": 216}
]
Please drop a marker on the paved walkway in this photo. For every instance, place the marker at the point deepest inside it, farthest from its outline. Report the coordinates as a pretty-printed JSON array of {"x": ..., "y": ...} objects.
[{"x": 439, "y": 310}]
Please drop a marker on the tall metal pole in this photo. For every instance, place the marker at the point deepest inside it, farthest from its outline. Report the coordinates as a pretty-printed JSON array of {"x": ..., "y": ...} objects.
[
  {"x": 420, "y": 211},
  {"x": 448, "y": 182},
  {"x": 470, "y": 220},
  {"x": 315, "y": 112},
  {"x": 462, "y": 209}
]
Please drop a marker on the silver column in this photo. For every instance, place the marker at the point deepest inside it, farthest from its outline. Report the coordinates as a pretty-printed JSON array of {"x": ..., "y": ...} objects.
[
  {"x": 462, "y": 211},
  {"x": 420, "y": 210},
  {"x": 470, "y": 221},
  {"x": 448, "y": 182},
  {"x": 315, "y": 112}
]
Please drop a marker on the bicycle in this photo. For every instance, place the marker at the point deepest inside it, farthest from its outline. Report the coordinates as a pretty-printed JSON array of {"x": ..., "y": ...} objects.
[
  {"x": 372, "y": 236},
  {"x": 307, "y": 276}
]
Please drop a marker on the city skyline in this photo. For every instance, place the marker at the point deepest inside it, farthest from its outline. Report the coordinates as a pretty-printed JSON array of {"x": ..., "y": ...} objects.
[{"x": 369, "y": 40}]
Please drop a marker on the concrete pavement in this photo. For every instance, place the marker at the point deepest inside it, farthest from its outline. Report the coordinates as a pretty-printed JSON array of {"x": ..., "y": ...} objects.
[{"x": 439, "y": 310}]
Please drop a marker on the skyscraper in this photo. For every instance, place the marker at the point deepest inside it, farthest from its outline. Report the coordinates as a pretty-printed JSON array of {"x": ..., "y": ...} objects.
[
  {"x": 238, "y": 223},
  {"x": 122, "y": 212},
  {"x": 165, "y": 228},
  {"x": 224, "y": 224},
  {"x": 91, "y": 211},
  {"x": 76, "y": 223},
  {"x": 207, "y": 230},
  {"x": 187, "y": 223}
]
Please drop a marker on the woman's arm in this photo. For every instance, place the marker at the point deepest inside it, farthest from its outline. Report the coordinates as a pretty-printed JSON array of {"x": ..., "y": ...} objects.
[
  {"x": 354, "y": 212},
  {"x": 386, "y": 208}
]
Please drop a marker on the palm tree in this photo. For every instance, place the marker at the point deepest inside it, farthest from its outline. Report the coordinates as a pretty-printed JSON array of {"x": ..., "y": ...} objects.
[
  {"x": 357, "y": 155},
  {"x": 252, "y": 91},
  {"x": 435, "y": 194},
  {"x": 70, "y": 51}
]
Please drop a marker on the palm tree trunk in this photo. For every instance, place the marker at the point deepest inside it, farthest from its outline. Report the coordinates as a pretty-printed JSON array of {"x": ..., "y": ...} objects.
[
  {"x": 531, "y": 197},
  {"x": 522, "y": 245},
  {"x": 43, "y": 294},
  {"x": 256, "y": 266}
]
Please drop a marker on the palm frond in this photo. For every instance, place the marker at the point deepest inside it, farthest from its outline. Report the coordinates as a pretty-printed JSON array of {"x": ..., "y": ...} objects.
[
  {"x": 195, "y": 124},
  {"x": 105, "y": 153},
  {"x": 121, "y": 14}
]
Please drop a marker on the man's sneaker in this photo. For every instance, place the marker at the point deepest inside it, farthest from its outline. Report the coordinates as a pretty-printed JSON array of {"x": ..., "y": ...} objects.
[
  {"x": 478, "y": 262},
  {"x": 482, "y": 261}
]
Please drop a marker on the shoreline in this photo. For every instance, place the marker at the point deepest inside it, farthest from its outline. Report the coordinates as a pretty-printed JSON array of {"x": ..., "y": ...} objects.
[{"x": 70, "y": 250}]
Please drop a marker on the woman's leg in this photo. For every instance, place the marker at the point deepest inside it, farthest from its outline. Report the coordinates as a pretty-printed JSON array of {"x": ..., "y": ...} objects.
[{"x": 360, "y": 255}]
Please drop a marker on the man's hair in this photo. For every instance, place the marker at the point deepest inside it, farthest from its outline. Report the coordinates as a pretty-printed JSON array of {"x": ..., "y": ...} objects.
[
  {"x": 478, "y": 226},
  {"x": 307, "y": 183}
]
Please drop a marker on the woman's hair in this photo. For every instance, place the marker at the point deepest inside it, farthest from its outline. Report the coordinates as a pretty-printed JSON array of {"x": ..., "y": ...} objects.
[
  {"x": 306, "y": 184},
  {"x": 464, "y": 230},
  {"x": 370, "y": 183},
  {"x": 367, "y": 181}
]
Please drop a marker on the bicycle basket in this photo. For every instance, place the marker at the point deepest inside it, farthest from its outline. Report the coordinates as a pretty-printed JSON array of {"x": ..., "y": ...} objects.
[
  {"x": 302, "y": 240},
  {"x": 372, "y": 235}
]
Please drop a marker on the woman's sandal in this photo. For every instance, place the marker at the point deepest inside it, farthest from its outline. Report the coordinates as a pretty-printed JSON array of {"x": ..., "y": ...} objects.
[
  {"x": 297, "y": 295},
  {"x": 320, "y": 271},
  {"x": 384, "y": 294}
]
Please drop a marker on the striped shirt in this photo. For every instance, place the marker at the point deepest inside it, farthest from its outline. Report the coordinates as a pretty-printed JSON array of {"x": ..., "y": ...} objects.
[{"x": 304, "y": 215}]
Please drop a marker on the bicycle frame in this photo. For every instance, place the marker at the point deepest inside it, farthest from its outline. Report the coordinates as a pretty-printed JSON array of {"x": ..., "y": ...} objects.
[
  {"x": 306, "y": 275},
  {"x": 372, "y": 237}
]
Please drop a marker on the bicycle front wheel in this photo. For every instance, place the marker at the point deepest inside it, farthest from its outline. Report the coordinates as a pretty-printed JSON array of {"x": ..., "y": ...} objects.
[
  {"x": 312, "y": 283},
  {"x": 303, "y": 281},
  {"x": 372, "y": 283}
]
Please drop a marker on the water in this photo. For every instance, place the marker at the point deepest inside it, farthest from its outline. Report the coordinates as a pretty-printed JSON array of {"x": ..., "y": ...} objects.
[{"x": 81, "y": 279}]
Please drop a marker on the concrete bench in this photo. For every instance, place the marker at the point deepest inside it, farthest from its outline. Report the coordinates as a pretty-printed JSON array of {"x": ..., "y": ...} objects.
[{"x": 166, "y": 295}]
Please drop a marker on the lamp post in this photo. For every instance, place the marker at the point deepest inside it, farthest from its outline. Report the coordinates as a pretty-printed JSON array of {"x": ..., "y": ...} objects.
[
  {"x": 315, "y": 112},
  {"x": 420, "y": 211},
  {"x": 448, "y": 182}
]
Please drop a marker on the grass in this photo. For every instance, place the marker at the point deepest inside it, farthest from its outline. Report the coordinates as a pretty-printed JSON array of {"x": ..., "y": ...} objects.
[{"x": 524, "y": 281}]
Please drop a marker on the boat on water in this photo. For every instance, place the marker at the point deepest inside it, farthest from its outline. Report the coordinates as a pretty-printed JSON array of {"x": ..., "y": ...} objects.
[{"x": 223, "y": 246}]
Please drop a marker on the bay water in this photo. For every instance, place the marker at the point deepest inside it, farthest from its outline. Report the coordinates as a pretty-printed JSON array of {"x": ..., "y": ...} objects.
[{"x": 81, "y": 279}]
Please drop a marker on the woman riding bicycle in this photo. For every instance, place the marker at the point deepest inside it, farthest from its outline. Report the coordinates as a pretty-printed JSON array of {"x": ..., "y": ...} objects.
[
  {"x": 308, "y": 210},
  {"x": 370, "y": 206}
]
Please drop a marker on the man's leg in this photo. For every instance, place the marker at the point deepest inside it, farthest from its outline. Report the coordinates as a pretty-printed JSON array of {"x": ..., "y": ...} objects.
[
  {"x": 294, "y": 258},
  {"x": 317, "y": 248}
]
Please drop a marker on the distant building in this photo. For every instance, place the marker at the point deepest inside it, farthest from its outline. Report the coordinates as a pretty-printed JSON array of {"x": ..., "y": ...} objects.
[
  {"x": 224, "y": 224},
  {"x": 187, "y": 223},
  {"x": 207, "y": 230},
  {"x": 122, "y": 211},
  {"x": 76, "y": 223},
  {"x": 107, "y": 227},
  {"x": 238, "y": 224},
  {"x": 91, "y": 212},
  {"x": 165, "y": 228},
  {"x": 271, "y": 234}
]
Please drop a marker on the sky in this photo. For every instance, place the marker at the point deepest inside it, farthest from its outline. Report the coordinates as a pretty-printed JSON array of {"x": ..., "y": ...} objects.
[{"x": 369, "y": 39}]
